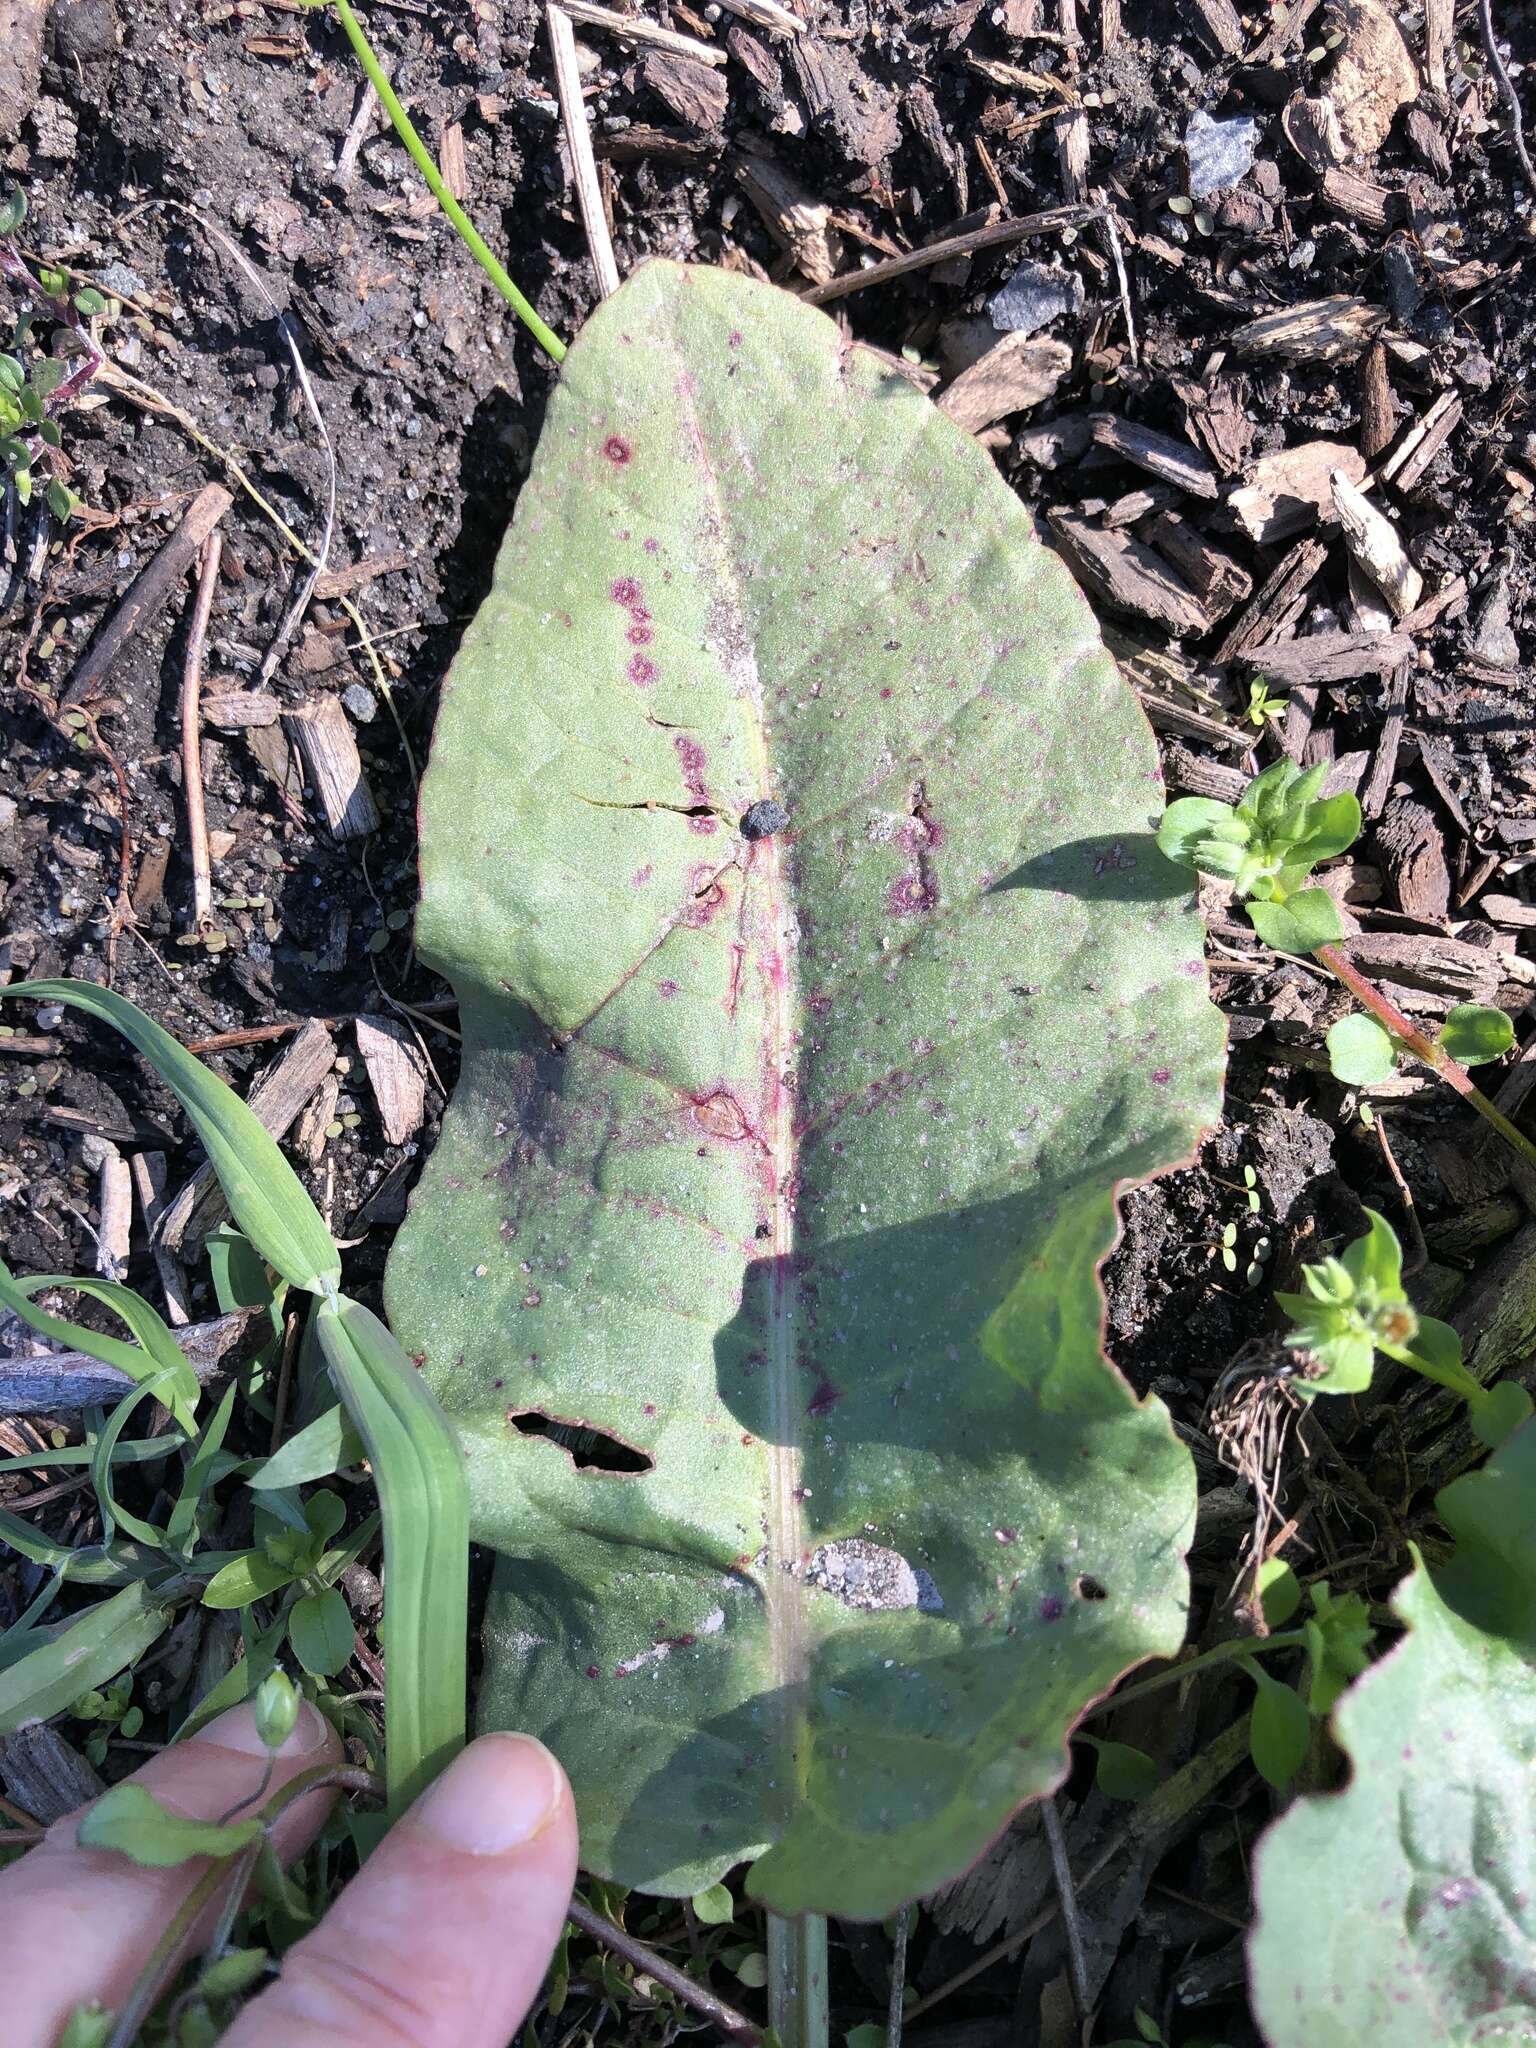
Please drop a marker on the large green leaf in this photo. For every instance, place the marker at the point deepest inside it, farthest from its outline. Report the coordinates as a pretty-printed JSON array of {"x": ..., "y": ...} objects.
[
  {"x": 782, "y": 1161},
  {"x": 1404, "y": 1909}
]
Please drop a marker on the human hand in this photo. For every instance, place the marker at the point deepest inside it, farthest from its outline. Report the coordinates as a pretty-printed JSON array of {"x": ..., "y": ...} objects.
[{"x": 440, "y": 1941}]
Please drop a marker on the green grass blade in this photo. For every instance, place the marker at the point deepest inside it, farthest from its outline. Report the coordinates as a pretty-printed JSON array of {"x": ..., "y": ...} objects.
[
  {"x": 78, "y": 1655},
  {"x": 264, "y": 1193},
  {"x": 154, "y": 1352},
  {"x": 424, "y": 1495}
]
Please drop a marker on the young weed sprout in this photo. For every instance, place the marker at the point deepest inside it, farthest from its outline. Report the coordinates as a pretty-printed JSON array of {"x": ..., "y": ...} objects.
[
  {"x": 1356, "y": 1305},
  {"x": 1266, "y": 845}
]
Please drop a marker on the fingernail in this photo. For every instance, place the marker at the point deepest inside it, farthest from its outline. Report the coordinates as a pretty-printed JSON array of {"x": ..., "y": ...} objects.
[
  {"x": 501, "y": 1792},
  {"x": 236, "y": 1729}
]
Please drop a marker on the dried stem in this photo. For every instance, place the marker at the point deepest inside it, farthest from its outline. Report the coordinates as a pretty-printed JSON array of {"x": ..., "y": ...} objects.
[
  {"x": 1507, "y": 89},
  {"x": 192, "y": 733},
  {"x": 1061, "y": 1870},
  {"x": 598, "y": 1927},
  {"x": 578, "y": 139},
  {"x": 1422, "y": 1048}
]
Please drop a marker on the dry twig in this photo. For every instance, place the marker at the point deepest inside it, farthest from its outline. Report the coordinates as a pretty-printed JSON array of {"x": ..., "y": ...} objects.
[
  {"x": 192, "y": 735},
  {"x": 578, "y": 139}
]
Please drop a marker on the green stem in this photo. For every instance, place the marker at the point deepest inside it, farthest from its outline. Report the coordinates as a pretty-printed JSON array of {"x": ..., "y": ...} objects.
[
  {"x": 551, "y": 343},
  {"x": 1240, "y": 1646},
  {"x": 797, "y": 1981},
  {"x": 1433, "y": 1056}
]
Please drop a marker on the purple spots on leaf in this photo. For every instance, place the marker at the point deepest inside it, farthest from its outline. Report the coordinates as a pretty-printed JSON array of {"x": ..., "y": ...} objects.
[
  {"x": 910, "y": 896},
  {"x": 640, "y": 634},
  {"x": 626, "y": 591},
  {"x": 1052, "y": 1607},
  {"x": 617, "y": 450},
  {"x": 651, "y": 546},
  {"x": 1162, "y": 1076},
  {"x": 641, "y": 671},
  {"x": 825, "y": 1398},
  {"x": 667, "y": 989},
  {"x": 694, "y": 760}
]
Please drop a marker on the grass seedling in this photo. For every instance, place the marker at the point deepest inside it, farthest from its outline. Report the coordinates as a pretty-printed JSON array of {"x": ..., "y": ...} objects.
[
  {"x": 413, "y": 1452},
  {"x": 424, "y": 161},
  {"x": 1266, "y": 845}
]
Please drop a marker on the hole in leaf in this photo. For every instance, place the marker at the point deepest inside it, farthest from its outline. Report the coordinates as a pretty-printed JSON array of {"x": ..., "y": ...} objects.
[
  {"x": 1090, "y": 1589},
  {"x": 589, "y": 1450}
]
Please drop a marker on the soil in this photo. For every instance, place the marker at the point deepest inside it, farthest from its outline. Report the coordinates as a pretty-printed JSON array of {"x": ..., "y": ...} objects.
[{"x": 901, "y": 122}]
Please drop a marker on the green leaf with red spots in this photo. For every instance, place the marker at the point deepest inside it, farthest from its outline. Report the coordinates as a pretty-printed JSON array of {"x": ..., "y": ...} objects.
[
  {"x": 788, "y": 840},
  {"x": 1403, "y": 1909}
]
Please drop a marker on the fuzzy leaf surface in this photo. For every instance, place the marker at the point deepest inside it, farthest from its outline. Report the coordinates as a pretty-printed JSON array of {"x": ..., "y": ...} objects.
[
  {"x": 1426, "y": 1928},
  {"x": 788, "y": 840}
]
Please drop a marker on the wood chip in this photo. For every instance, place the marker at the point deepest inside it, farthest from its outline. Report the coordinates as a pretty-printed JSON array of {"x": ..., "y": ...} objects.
[
  {"x": 1127, "y": 574},
  {"x": 1367, "y": 611},
  {"x": 1196, "y": 775},
  {"x": 1422, "y": 443},
  {"x": 1216, "y": 579},
  {"x": 1321, "y": 331},
  {"x": 1378, "y": 422},
  {"x": 1374, "y": 796},
  {"x": 1436, "y": 964},
  {"x": 1513, "y": 912},
  {"x": 1408, "y": 845},
  {"x": 1372, "y": 76},
  {"x": 1358, "y": 199},
  {"x": 1019, "y": 371},
  {"x": 114, "y": 1205},
  {"x": 696, "y": 93},
  {"x": 1373, "y": 541},
  {"x": 276, "y": 1100},
  {"x": 766, "y": 14},
  {"x": 1331, "y": 657},
  {"x": 354, "y": 575},
  {"x": 45, "y": 1775},
  {"x": 1277, "y": 604},
  {"x": 322, "y": 733},
  {"x": 1162, "y": 456},
  {"x": 235, "y": 710},
  {"x": 1288, "y": 491},
  {"x": 397, "y": 1074},
  {"x": 1220, "y": 27},
  {"x": 798, "y": 221}
]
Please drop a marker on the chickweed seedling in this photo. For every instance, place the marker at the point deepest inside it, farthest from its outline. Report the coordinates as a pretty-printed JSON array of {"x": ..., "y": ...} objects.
[
  {"x": 1263, "y": 709},
  {"x": 35, "y": 386},
  {"x": 1266, "y": 845},
  {"x": 1363, "y": 1053},
  {"x": 1356, "y": 1305}
]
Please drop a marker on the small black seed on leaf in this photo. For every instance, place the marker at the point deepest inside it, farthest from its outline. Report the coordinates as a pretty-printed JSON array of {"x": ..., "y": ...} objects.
[{"x": 764, "y": 819}]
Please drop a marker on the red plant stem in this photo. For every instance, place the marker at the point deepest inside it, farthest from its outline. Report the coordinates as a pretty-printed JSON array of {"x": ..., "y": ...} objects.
[{"x": 1413, "y": 1040}]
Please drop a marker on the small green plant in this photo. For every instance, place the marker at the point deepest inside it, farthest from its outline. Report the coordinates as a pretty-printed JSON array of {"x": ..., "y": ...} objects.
[
  {"x": 1262, "y": 709},
  {"x": 1355, "y": 1305},
  {"x": 1363, "y": 1053},
  {"x": 35, "y": 387},
  {"x": 1267, "y": 845},
  {"x": 113, "y": 1707}
]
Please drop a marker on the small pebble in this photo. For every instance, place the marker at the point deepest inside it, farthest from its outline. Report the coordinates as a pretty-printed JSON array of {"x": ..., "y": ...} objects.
[
  {"x": 1218, "y": 153},
  {"x": 360, "y": 702}
]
